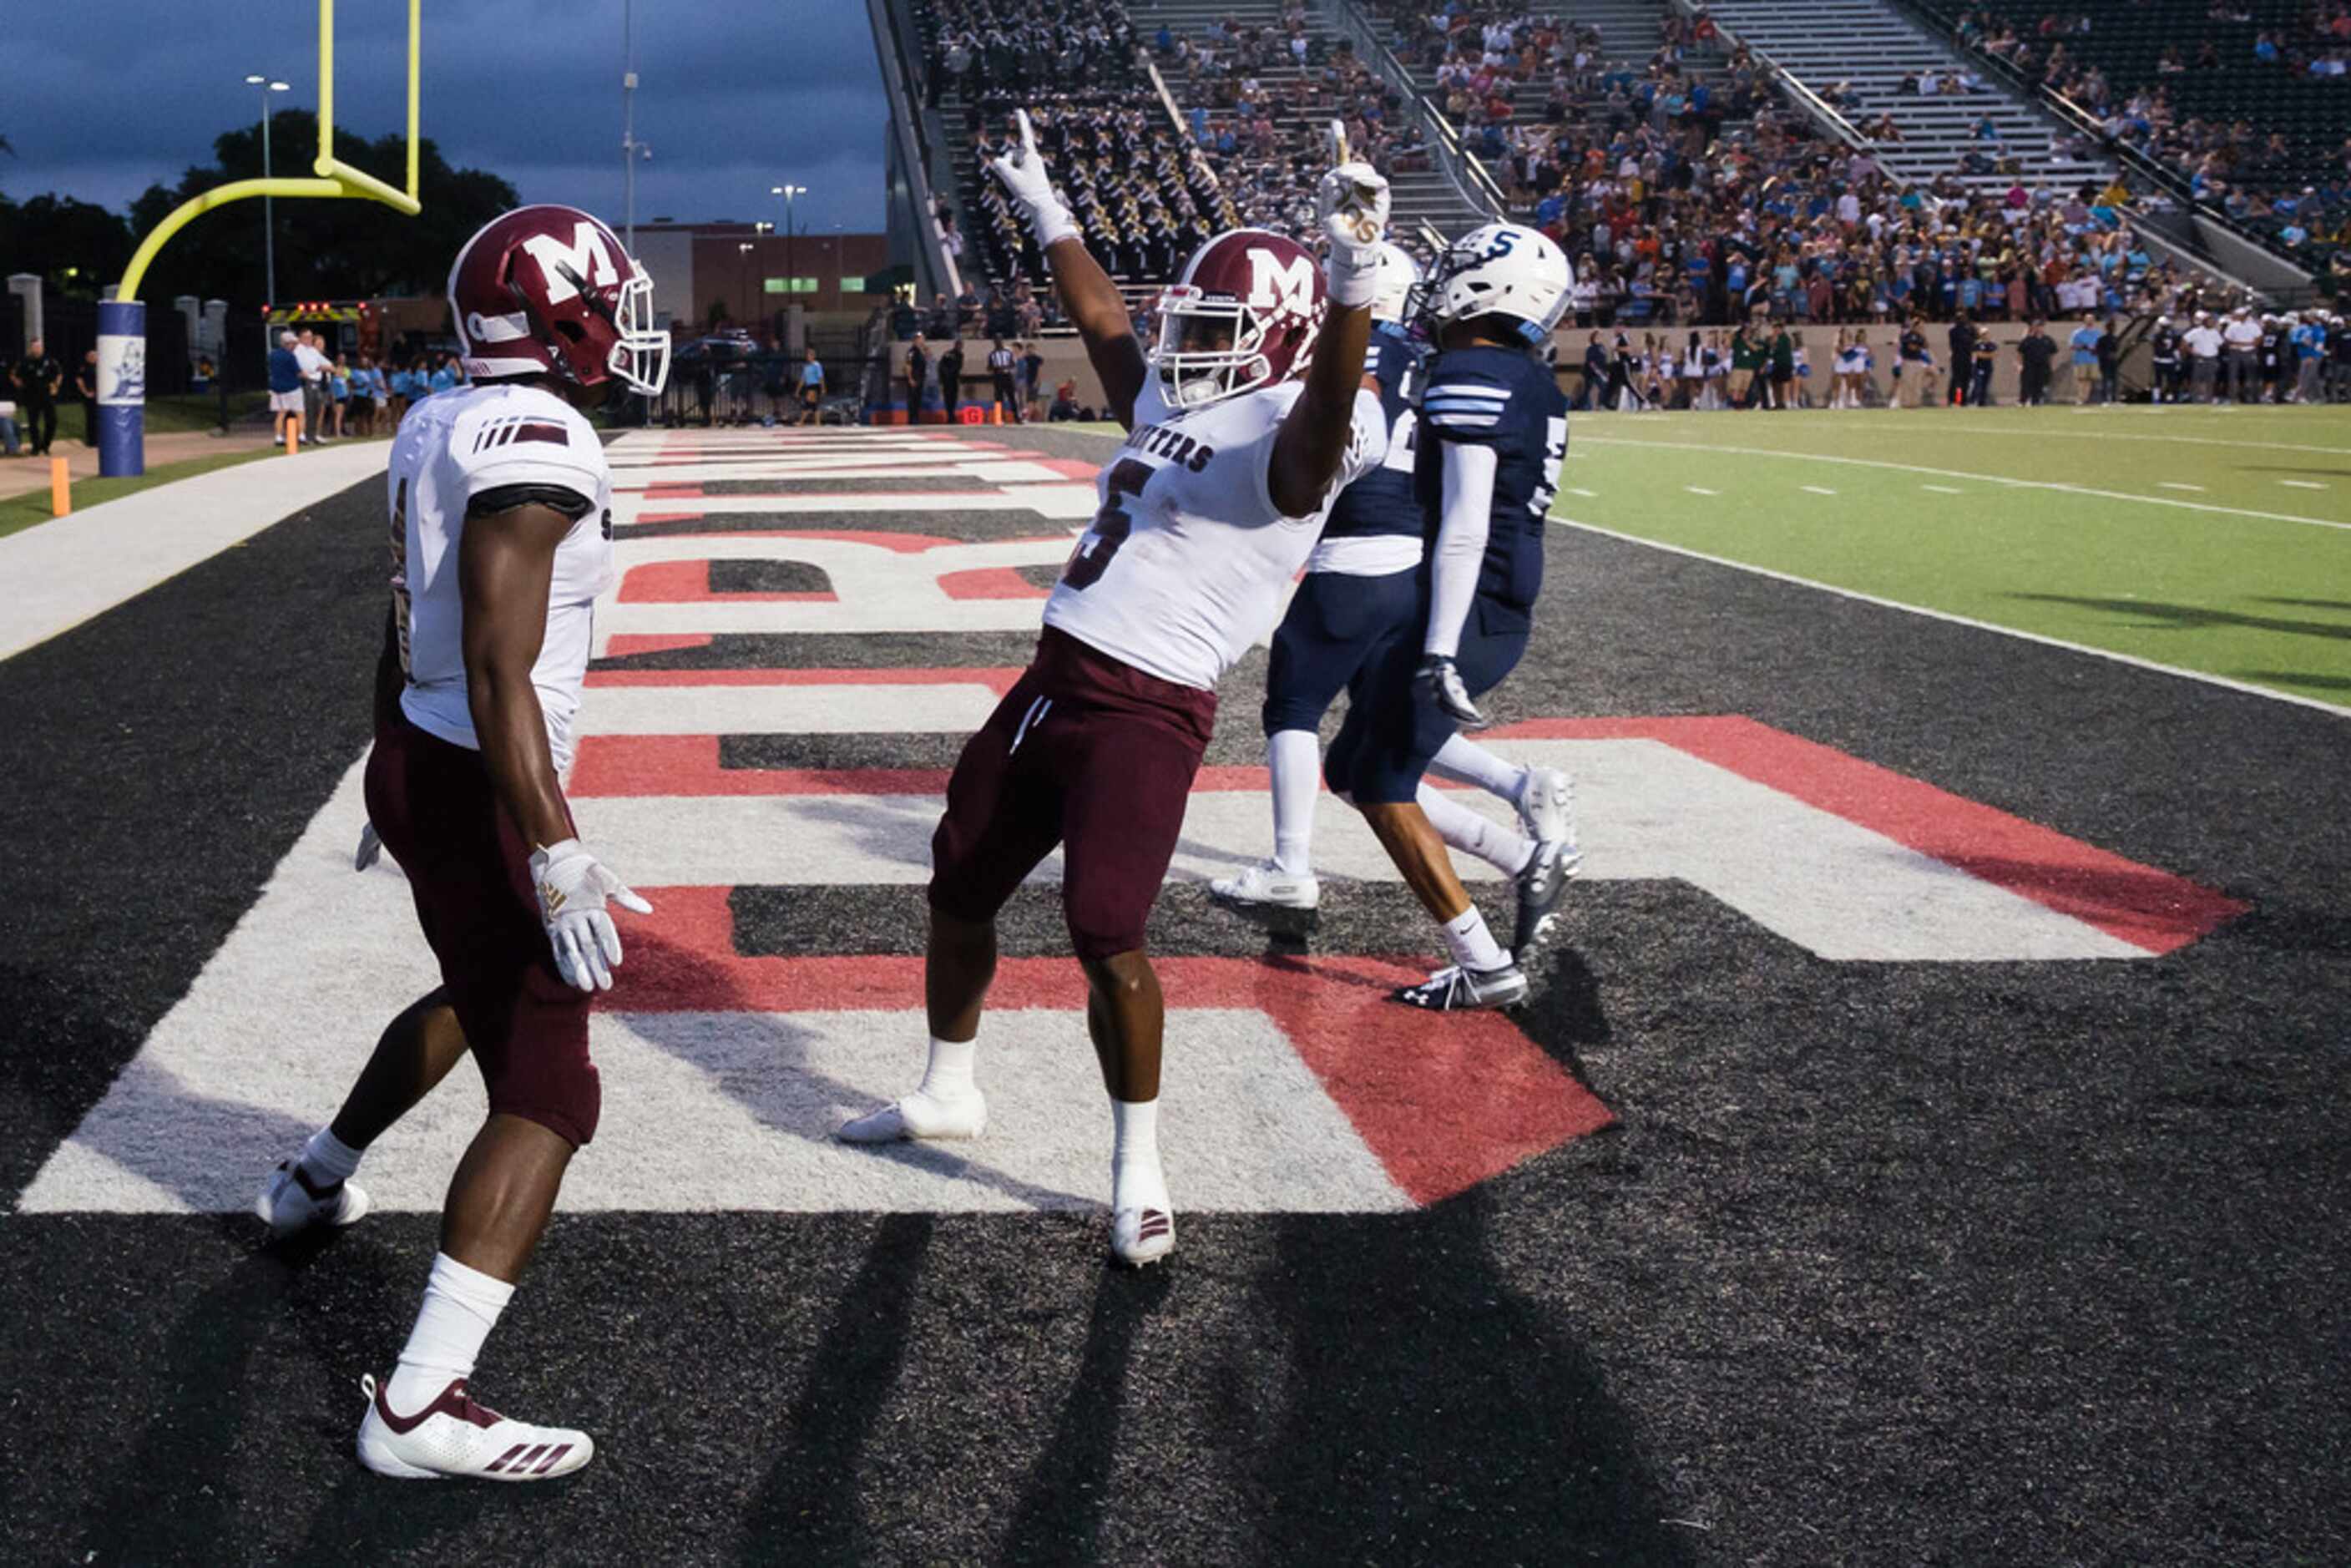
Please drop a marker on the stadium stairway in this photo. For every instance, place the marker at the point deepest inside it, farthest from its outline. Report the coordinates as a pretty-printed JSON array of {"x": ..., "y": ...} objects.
[{"x": 1868, "y": 47}]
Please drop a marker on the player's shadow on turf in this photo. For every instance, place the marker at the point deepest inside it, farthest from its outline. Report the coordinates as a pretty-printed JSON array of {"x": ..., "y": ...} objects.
[
  {"x": 899, "y": 830},
  {"x": 1432, "y": 1413},
  {"x": 1070, "y": 1490},
  {"x": 787, "y": 1093},
  {"x": 807, "y": 1508},
  {"x": 2195, "y": 617},
  {"x": 209, "y": 1153}
]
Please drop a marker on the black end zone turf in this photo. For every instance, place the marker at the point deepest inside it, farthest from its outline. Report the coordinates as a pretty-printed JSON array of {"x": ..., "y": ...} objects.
[{"x": 1891, "y": 1263}]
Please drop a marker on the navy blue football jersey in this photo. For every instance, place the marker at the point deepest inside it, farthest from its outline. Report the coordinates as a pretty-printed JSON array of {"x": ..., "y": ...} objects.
[
  {"x": 1382, "y": 501},
  {"x": 1508, "y": 400}
]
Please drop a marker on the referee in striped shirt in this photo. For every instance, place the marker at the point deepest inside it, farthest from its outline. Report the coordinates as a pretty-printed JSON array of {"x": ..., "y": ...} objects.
[{"x": 999, "y": 371}]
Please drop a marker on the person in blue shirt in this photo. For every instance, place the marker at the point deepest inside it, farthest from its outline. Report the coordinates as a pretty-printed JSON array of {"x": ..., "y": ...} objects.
[
  {"x": 445, "y": 374},
  {"x": 2084, "y": 344},
  {"x": 285, "y": 389},
  {"x": 1491, "y": 435},
  {"x": 2309, "y": 341}
]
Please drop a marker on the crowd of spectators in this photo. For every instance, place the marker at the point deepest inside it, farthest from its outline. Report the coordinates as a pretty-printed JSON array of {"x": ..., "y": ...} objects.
[
  {"x": 1025, "y": 46},
  {"x": 2259, "y": 179}
]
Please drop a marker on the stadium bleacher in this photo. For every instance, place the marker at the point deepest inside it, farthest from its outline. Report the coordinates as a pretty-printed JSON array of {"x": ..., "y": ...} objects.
[{"x": 2248, "y": 100}]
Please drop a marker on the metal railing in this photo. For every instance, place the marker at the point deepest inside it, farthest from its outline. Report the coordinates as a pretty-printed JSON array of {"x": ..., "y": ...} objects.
[
  {"x": 2173, "y": 183},
  {"x": 1462, "y": 168}
]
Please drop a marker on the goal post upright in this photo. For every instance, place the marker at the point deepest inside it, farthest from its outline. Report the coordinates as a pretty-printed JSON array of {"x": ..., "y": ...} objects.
[{"x": 123, "y": 320}]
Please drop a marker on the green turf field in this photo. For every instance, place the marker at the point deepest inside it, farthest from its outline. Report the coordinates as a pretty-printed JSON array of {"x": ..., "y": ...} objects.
[{"x": 2217, "y": 540}]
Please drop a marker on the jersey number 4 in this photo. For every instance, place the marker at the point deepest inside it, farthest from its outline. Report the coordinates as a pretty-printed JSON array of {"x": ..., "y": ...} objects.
[{"x": 1111, "y": 526}]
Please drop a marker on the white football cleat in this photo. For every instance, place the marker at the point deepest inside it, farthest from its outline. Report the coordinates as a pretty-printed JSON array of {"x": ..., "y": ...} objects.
[
  {"x": 1458, "y": 989},
  {"x": 1266, "y": 884},
  {"x": 1541, "y": 886},
  {"x": 1142, "y": 1221},
  {"x": 922, "y": 1118},
  {"x": 453, "y": 1438},
  {"x": 1546, "y": 805},
  {"x": 290, "y": 1201}
]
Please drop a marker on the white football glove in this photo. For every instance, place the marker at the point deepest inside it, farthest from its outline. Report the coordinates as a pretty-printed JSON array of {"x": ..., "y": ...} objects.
[
  {"x": 1353, "y": 204},
  {"x": 574, "y": 890},
  {"x": 1440, "y": 678},
  {"x": 1022, "y": 170}
]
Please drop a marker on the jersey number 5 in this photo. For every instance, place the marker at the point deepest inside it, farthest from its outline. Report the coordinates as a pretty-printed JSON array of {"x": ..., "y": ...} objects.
[{"x": 1111, "y": 526}]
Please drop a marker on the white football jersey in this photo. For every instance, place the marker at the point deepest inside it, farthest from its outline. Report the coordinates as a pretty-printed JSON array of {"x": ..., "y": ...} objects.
[
  {"x": 452, "y": 447},
  {"x": 1189, "y": 561}
]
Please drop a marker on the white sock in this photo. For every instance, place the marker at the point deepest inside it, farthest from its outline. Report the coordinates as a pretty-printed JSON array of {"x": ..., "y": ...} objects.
[
  {"x": 949, "y": 1077},
  {"x": 460, "y": 1307},
  {"x": 1472, "y": 945},
  {"x": 326, "y": 1159},
  {"x": 1294, "y": 758},
  {"x": 1473, "y": 764},
  {"x": 1135, "y": 1178},
  {"x": 1474, "y": 833}
]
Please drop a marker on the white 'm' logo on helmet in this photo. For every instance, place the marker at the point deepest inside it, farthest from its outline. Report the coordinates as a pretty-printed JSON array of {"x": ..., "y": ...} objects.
[
  {"x": 585, "y": 258},
  {"x": 1278, "y": 285}
]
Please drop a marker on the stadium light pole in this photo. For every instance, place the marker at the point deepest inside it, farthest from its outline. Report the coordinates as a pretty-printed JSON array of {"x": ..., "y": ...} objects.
[
  {"x": 791, "y": 269},
  {"x": 630, "y": 148},
  {"x": 268, "y": 216}
]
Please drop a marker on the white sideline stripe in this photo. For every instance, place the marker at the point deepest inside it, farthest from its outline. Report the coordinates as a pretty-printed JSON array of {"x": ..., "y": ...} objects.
[
  {"x": 1832, "y": 888},
  {"x": 2167, "y": 440},
  {"x": 61, "y": 573},
  {"x": 1817, "y": 489},
  {"x": 1693, "y": 490},
  {"x": 784, "y": 710},
  {"x": 1943, "y": 489},
  {"x": 1587, "y": 494},
  {"x": 1956, "y": 620},
  {"x": 2302, "y": 483},
  {"x": 2174, "y": 484},
  {"x": 1956, "y": 474}
]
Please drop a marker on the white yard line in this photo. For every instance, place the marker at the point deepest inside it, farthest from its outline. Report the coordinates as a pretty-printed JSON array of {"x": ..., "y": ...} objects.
[
  {"x": 2302, "y": 483},
  {"x": 1816, "y": 489},
  {"x": 1587, "y": 494},
  {"x": 1693, "y": 490},
  {"x": 1943, "y": 489},
  {"x": 61, "y": 573},
  {"x": 1957, "y": 474},
  {"x": 2246, "y": 686},
  {"x": 2170, "y": 485}
]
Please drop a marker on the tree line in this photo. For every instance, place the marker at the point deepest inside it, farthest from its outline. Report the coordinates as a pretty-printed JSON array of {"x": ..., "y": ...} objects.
[{"x": 326, "y": 249}]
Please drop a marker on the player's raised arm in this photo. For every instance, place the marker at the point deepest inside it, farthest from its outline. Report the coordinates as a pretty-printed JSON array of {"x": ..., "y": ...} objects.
[
  {"x": 1312, "y": 445},
  {"x": 1091, "y": 298}
]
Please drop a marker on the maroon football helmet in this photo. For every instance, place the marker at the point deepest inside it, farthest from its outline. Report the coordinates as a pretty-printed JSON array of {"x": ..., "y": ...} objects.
[
  {"x": 550, "y": 290},
  {"x": 1243, "y": 316}
]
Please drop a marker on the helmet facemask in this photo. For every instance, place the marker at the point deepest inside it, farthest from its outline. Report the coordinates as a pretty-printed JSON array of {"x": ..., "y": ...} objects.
[
  {"x": 1210, "y": 347},
  {"x": 641, "y": 358}
]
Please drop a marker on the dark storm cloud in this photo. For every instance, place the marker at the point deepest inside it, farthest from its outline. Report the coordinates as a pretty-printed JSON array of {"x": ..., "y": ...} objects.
[{"x": 734, "y": 95}]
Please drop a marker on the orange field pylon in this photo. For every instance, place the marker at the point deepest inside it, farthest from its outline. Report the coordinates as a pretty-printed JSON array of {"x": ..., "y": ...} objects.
[{"x": 60, "y": 487}]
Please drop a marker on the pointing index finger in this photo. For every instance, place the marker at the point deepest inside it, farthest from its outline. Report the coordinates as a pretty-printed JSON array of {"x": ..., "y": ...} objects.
[
  {"x": 1338, "y": 143},
  {"x": 1028, "y": 134}
]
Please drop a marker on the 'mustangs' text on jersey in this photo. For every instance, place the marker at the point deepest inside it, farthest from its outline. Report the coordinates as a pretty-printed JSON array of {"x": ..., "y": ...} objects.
[
  {"x": 1507, "y": 400},
  {"x": 1189, "y": 559},
  {"x": 450, "y": 448}
]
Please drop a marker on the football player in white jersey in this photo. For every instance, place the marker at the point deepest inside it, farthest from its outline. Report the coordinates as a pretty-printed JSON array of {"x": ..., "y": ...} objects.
[
  {"x": 1244, "y": 421},
  {"x": 501, "y": 540}
]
